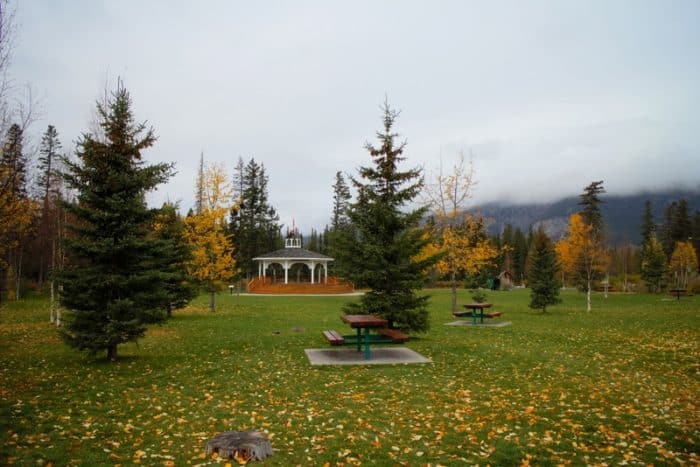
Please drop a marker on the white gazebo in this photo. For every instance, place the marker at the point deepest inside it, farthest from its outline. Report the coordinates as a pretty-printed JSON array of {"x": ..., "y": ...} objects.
[{"x": 292, "y": 254}]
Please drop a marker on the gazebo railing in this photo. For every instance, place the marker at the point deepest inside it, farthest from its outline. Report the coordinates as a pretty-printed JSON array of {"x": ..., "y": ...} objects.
[{"x": 266, "y": 285}]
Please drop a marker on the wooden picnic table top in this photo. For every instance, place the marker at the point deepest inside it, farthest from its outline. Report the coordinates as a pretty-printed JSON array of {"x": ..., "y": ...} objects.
[
  {"x": 477, "y": 306},
  {"x": 364, "y": 321}
]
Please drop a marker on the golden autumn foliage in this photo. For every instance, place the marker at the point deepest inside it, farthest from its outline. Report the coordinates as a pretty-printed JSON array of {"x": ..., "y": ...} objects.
[
  {"x": 212, "y": 251},
  {"x": 581, "y": 254},
  {"x": 16, "y": 216},
  {"x": 459, "y": 237},
  {"x": 465, "y": 249},
  {"x": 683, "y": 263}
]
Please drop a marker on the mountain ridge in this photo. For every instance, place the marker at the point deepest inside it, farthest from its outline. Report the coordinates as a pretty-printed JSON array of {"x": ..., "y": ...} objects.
[{"x": 622, "y": 213}]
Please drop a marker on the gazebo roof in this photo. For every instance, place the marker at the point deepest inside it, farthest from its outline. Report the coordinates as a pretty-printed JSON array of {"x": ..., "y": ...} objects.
[{"x": 294, "y": 253}]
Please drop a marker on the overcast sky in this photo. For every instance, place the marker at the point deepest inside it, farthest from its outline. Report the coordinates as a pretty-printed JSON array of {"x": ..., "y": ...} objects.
[{"x": 546, "y": 95}]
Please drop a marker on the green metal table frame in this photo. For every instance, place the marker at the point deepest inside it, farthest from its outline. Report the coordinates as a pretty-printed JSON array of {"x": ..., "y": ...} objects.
[
  {"x": 477, "y": 309},
  {"x": 362, "y": 336}
]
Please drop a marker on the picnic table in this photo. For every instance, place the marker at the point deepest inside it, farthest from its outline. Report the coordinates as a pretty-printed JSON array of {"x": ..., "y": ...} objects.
[
  {"x": 678, "y": 293},
  {"x": 362, "y": 339},
  {"x": 476, "y": 310},
  {"x": 364, "y": 322}
]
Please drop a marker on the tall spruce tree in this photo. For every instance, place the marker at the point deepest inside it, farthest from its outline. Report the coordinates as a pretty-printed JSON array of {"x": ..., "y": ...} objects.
[
  {"x": 199, "y": 187},
  {"x": 339, "y": 219},
  {"x": 49, "y": 193},
  {"x": 677, "y": 225},
  {"x": 648, "y": 226},
  {"x": 519, "y": 255},
  {"x": 593, "y": 259},
  {"x": 381, "y": 253},
  {"x": 173, "y": 256},
  {"x": 114, "y": 286},
  {"x": 543, "y": 270},
  {"x": 16, "y": 210},
  {"x": 341, "y": 199},
  {"x": 654, "y": 266},
  {"x": 590, "y": 200},
  {"x": 254, "y": 223}
]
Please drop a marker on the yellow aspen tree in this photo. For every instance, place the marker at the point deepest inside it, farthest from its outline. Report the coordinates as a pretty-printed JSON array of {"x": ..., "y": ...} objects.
[
  {"x": 212, "y": 252},
  {"x": 684, "y": 261},
  {"x": 16, "y": 216},
  {"x": 458, "y": 236},
  {"x": 567, "y": 260},
  {"x": 581, "y": 254}
]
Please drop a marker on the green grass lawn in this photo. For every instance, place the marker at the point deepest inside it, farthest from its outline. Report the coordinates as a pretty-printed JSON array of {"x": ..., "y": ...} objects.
[{"x": 617, "y": 385}]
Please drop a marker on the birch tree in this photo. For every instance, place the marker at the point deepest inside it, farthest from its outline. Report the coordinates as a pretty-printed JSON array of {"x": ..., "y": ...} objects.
[
  {"x": 683, "y": 263},
  {"x": 458, "y": 236},
  {"x": 582, "y": 255}
]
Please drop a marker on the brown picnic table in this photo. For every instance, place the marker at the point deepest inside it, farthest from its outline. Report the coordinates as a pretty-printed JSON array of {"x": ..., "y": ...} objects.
[
  {"x": 477, "y": 310},
  {"x": 678, "y": 293},
  {"x": 382, "y": 334},
  {"x": 364, "y": 322}
]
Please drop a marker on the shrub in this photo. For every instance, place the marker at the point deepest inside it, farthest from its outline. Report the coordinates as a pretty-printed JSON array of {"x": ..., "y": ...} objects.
[{"x": 478, "y": 295}]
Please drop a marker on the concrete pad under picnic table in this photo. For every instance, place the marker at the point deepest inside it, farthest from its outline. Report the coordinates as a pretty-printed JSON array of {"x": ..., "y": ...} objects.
[
  {"x": 464, "y": 322},
  {"x": 380, "y": 356}
]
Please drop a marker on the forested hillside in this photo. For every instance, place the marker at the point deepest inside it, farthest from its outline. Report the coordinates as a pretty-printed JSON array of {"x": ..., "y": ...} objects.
[{"x": 622, "y": 214}]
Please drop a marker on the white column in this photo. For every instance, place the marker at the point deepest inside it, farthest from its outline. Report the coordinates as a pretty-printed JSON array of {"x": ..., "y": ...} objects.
[
  {"x": 325, "y": 273},
  {"x": 286, "y": 272},
  {"x": 313, "y": 266}
]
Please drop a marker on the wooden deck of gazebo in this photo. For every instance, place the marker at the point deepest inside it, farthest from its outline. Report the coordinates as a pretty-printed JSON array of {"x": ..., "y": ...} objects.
[{"x": 265, "y": 285}]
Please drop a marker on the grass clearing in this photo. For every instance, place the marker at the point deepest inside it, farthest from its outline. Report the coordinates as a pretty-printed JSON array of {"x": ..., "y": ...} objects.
[{"x": 618, "y": 385}]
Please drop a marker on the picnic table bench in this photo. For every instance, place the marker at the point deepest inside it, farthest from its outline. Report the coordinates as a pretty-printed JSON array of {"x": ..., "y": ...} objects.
[
  {"x": 383, "y": 335},
  {"x": 333, "y": 337},
  {"x": 469, "y": 314}
]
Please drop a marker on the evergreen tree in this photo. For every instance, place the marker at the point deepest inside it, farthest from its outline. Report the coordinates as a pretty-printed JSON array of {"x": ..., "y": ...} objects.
[
  {"x": 49, "y": 151},
  {"x": 313, "y": 241},
  {"x": 519, "y": 255},
  {"x": 254, "y": 224},
  {"x": 15, "y": 159},
  {"x": 648, "y": 226},
  {"x": 114, "y": 287},
  {"x": 199, "y": 187},
  {"x": 507, "y": 235},
  {"x": 590, "y": 200},
  {"x": 683, "y": 226},
  {"x": 16, "y": 210},
  {"x": 506, "y": 249},
  {"x": 382, "y": 251},
  {"x": 593, "y": 261},
  {"x": 341, "y": 199},
  {"x": 340, "y": 223},
  {"x": 238, "y": 181},
  {"x": 173, "y": 257},
  {"x": 677, "y": 225},
  {"x": 654, "y": 267},
  {"x": 49, "y": 193},
  {"x": 543, "y": 272}
]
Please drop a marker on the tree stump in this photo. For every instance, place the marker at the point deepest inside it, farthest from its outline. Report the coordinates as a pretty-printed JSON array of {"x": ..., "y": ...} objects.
[{"x": 249, "y": 445}]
